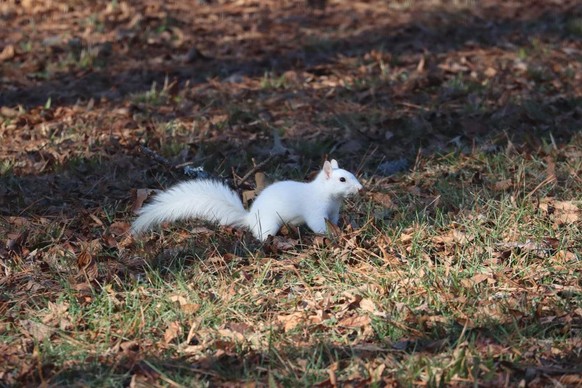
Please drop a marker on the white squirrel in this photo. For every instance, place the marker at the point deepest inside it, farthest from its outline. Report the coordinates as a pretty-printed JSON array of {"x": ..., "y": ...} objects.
[{"x": 286, "y": 202}]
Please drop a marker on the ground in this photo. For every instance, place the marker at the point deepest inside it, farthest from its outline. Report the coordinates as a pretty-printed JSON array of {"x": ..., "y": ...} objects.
[{"x": 459, "y": 265}]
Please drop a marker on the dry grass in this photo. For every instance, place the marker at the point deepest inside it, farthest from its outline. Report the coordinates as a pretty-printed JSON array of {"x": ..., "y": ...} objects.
[{"x": 462, "y": 268}]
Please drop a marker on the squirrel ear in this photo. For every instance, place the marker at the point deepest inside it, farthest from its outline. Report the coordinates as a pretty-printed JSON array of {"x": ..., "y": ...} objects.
[
  {"x": 327, "y": 169},
  {"x": 334, "y": 164}
]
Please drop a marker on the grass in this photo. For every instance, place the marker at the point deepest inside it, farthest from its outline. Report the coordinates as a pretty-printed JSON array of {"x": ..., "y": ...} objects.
[
  {"x": 439, "y": 292},
  {"x": 462, "y": 271}
]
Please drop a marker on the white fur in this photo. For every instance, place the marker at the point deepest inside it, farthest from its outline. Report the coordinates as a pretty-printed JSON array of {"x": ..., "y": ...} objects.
[{"x": 280, "y": 203}]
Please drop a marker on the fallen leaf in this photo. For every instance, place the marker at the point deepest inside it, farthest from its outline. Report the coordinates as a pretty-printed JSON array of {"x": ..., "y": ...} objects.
[
  {"x": 185, "y": 305},
  {"x": 405, "y": 237},
  {"x": 56, "y": 312},
  {"x": 503, "y": 185},
  {"x": 355, "y": 321},
  {"x": 291, "y": 321},
  {"x": 140, "y": 196},
  {"x": 178, "y": 298},
  {"x": 84, "y": 259},
  {"x": 490, "y": 72},
  {"x": 260, "y": 182},
  {"x": 276, "y": 244},
  {"x": 453, "y": 236},
  {"x": 172, "y": 332},
  {"x": 550, "y": 170},
  {"x": 87, "y": 266},
  {"x": 239, "y": 327},
  {"x": 129, "y": 346},
  {"x": 38, "y": 331},
  {"x": 333, "y": 230},
  {"x": 233, "y": 335},
  {"x": 7, "y": 53},
  {"x": 565, "y": 256},
  {"x": 16, "y": 240},
  {"x": 119, "y": 228},
  {"x": 368, "y": 305},
  {"x": 190, "y": 308},
  {"x": 562, "y": 212},
  {"x": 201, "y": 230},
  {"x": 383, "y": 199},
  {"x": 248, "y": 196}
]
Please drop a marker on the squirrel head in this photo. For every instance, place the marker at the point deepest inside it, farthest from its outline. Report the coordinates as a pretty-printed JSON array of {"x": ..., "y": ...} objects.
[{"x": 338, "y": 182}]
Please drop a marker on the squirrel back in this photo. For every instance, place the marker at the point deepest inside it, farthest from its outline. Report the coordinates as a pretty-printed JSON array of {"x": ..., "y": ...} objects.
[{"x": 280, "y": 203}]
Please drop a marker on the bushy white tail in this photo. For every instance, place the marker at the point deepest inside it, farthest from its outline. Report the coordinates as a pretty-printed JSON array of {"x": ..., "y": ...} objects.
[{"x": 204, "y": 199}]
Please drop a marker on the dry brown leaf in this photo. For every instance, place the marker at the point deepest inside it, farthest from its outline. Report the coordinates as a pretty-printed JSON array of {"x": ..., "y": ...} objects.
[
  {"x": 231, "y": 334},
  {"x": 178, "y": 298},
  {"x": 479, "y": 278},
  {"x": 551, "y": 169},
  {"x": 291, "y": 321},
  {"x": 405, "y": 237},
  {"x": 414, "y": 190},
  {"x": 7, "y": 53},
  {"x": 119, "y": 228},
  {"x": 15, "y": 241},
  {"x": 140, "y": 196},
  {"x": 9, "y": 112},
  {"x": 383, "y": 199},
  {"x": 476, "y": 279},
  {"x": 38, "y": 331},
  {"x": 565, "y": 256},
  {"x": 368, "y": 305},
  {"x": 190, "y": 308},
  {"x": 567, "y": 218},
  {"x": 96, "y": 219},
  {"x": 490, "y": 72},
  {"x": 219, "y": 118},
  {"x": 544, "y": 246},
  {"x": 565, "y": 206},
  {"x": 201, "y": 230},
  {"x": 248, "y": 195},
  {"x": 260, "y": 182},
  {"x": 19, "y": 221},
  {"x": 57, "y": 313},
  {"x": 87, "y": 265},
  {"x": 355, "y": 321},
  {"x": 376, "y": 372},
  {"x": 503, "y": 185},
  {"x": 84, "y": 259},
  {"x": 333, "y": 230},
  {"x": 185, "y": 305},
  {"x": 109, "y": 240},
  {"x": 562, "y": 212},
  {"x": 129, "y": 346},
  {"x": 277, "y": 244},
  {"x": 172, "y": 332},
  {"x": 453, "y": 236},
  {"x": 571, "y": 379},
  {"x": 331, "y": 373},
  {"x": 239, "y": 327}
]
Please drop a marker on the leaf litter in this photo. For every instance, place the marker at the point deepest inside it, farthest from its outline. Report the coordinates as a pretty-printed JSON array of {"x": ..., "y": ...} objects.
[{"x": 460, "y": 265}]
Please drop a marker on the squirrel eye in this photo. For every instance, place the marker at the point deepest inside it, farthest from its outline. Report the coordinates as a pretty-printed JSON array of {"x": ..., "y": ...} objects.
[{"x": 342, "y": 179}]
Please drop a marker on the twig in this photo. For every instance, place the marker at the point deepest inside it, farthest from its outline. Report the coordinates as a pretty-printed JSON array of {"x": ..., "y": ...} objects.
[
  {"x": 156, "y": 157},
  {"x": 256, "y": 168},
  {"x": 186, "y": 169}
]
